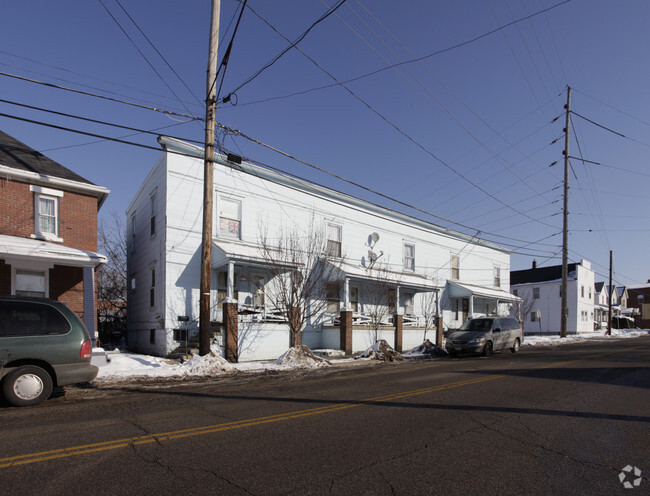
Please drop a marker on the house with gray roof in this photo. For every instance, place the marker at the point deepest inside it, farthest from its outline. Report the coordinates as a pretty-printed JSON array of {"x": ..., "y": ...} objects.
[{"x": 48, "y": 230}]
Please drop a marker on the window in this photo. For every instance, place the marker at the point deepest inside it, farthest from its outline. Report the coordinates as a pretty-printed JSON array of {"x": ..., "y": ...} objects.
[
  {"x": 152, "y": 336},
  {"x": 409, "y": 308},
  {"x": 30, "y": 283},
  {"x": 230, "y": 218},
  {"x": 332, "y": 296},
  {"x": 152, "y": 289},
  {"x": 46, "y": 212},
  {"x": 31, "y": 319},
  {"x": 455, "y": 267},
  {"x": 133, "y": 283},
  {"x": 497, "y": 277},
  {"x": 354, "y": 298},
  {"x": 536, "y": 293},
  {"x": 582, "y": 291},
  {"x": 152, "y": 228},
  {"x": 589, "y": 292},
  {"x": 333, "y": 240},
  {"x": 409, "y": 257},
  {"x": 515, "y": 292},
  {"x": 533, "y": 316},
  {"x": 180, "y": 334},
  {"x": 258, "y": 286}
]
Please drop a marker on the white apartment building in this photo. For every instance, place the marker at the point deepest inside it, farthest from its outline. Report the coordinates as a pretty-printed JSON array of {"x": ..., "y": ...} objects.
[{"x": 465, "y": 275}]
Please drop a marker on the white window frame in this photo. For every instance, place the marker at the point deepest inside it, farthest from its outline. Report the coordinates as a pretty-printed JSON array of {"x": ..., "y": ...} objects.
[
  {"x": 455, "y": 267},
  {"x": 54, "y": 196},
  {"x": 226, "y": 232},
  {"x": 334, "y": 246},
  {"x": 497, "y": 276},
  {"x": 35, "y": 270},
  {"x": 409, "y": 260}
]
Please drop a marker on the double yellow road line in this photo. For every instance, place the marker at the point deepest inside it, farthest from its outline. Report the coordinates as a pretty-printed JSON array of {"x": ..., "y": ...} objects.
[{"x": 14, "y": 461}]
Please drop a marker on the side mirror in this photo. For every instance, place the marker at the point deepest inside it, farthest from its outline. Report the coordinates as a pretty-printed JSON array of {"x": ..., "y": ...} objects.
[{"x": 498, "y": 329}]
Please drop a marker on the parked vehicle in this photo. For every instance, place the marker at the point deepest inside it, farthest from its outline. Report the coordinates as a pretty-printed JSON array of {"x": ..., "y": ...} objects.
[
  {"x": 484, "y": 335},
  {"x": 42, "y": 344}
]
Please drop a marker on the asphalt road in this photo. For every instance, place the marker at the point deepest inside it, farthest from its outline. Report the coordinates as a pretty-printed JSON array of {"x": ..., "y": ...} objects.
[{"x": 551, "y": 421}]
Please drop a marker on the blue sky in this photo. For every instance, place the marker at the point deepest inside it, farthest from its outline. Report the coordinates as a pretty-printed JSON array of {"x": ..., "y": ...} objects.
[{"x": 465, "y": 134}]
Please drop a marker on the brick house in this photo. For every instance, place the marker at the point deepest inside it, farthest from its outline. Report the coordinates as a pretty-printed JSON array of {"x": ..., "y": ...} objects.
[{"x": 48, "y": 230}]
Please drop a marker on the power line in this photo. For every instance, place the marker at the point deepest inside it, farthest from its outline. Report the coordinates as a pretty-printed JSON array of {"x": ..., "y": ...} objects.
[
  {"x": 94, "y": 95},
  {"x": 291, "y": 45}
]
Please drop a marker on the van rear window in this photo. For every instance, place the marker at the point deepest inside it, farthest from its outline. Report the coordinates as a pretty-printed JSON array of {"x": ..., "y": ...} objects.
[{"x": 22, "y": 318}]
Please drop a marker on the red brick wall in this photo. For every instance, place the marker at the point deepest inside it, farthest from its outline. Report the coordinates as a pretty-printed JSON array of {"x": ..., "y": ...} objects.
[
  {"x": 66, "y": 285},
  {"x": 77, "y": 215}
]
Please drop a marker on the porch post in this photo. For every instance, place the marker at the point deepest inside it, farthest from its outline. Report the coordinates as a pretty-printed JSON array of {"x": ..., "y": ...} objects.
[
  {"x": 231, "y": 281},
  {"x": 345, "y": 331},
  {"x": 231, "y": 331},
  {"x": 346, "y": 294},
  {"x": 398, "y": 319},
  {"x": 471, "y": 305}
]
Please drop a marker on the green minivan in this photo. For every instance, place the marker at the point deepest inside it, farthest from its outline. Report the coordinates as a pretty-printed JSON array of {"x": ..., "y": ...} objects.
[{"x": 42, "y": 344}]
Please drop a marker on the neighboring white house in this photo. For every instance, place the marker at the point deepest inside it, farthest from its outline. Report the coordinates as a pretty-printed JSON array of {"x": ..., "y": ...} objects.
[
  {"x": 465, "y": 275},
  {"x": 543, "y": 286}
]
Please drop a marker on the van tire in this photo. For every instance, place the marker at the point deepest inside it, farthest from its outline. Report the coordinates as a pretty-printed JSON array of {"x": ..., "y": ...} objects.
[
  {"x": 487, "y": 350},
  {"x": 27, "y": 385},
  {"x": 515, "y": 346}
]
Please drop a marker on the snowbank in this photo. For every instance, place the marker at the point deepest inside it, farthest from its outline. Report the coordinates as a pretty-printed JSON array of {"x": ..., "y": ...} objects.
[
  {"x": 381, "y": 350},
  {"x": 301, "y": 357}
]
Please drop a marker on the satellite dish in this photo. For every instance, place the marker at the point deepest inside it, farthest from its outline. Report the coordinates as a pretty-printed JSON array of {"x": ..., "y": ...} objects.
[
  {"x": 375, "y": 237},
  {"x": 372, "y": 256}
]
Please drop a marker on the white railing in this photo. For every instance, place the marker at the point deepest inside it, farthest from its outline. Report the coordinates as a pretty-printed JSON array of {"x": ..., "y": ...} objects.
[{"x": 251, "y": 313}]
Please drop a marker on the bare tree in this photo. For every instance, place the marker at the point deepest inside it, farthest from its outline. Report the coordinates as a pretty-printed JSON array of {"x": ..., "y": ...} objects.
[
  {"x": 112, "y": 278},
  {"x": 301, "y": 268},
  {"x": 429, "y": 311},
  {"x": 380, "y": 297},
  {"x": 524, "y": 306}
]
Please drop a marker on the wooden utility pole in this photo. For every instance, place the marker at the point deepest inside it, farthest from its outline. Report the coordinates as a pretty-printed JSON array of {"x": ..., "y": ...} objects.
[
  {"x": 609, "y": 313},
  {"x": 208, "y": 186},
  {"x": 565, "y": 215}
]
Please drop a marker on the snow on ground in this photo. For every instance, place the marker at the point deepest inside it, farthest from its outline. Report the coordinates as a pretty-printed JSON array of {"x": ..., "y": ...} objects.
[{"x": 125, "y": 366}]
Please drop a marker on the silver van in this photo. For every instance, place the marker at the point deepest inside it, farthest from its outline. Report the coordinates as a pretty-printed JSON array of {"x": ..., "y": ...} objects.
[{"x": 484, "y": 335}]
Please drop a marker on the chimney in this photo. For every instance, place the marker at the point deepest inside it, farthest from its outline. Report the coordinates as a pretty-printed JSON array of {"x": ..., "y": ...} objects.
[{"x": 535, "y": 265}]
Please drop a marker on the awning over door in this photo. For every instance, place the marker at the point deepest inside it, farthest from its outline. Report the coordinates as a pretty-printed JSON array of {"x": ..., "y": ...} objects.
[{"x": 462, "y": 290}]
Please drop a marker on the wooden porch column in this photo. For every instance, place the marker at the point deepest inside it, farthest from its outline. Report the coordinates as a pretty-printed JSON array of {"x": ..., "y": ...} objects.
[
  {"x": 231, "y": 332},
  {"x": 345, "y": 331},
  {"x": 398, "y": 319}
]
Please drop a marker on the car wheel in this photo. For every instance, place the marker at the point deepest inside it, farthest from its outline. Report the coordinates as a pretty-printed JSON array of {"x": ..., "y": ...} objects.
[
  {"x": 27, "y": 386},
  {"x": 515, "y": 347},
  {"x": 487, "y": 350}
]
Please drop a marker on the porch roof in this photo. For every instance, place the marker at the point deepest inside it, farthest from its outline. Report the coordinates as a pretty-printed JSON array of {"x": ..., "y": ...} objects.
[
  {"x": 412, "y": 280},
  {"x": 457, "y": 290},
  {"x": 238, "y": 252},
  {"x": 15, "y": 248}
]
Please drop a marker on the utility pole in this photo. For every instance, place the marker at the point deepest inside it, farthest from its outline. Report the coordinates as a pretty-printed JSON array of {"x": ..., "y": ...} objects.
[
  {"x": 208, "y": 183},
  {"x": 609, "y": 313},
  {"x": 565, "y": 215}
]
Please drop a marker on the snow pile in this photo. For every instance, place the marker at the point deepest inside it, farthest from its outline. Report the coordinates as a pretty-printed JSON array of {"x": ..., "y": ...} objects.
[
  {"x": 132, "y": 366},
  {"x": 209, "y": 364},
  {"x": 555, "y": 339},
  {"x": 381, "y": 350},
  {"x": 301, "y": 357},
  {"x": 426, "y": 350}
]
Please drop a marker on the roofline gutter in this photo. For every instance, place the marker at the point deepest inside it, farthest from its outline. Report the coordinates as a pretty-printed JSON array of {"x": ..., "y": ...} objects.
[{"x": 98, "y": 192}]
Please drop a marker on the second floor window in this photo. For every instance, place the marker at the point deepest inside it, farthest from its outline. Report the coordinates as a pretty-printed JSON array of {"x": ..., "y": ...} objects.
[
  {"x": 152, "y": 289},
  {"x": 455, "y": 267},
  {"x": 409, "y": 257},
  {"x": 497, "y": 277},
  {"x": 152, "y": 229},
  {"x": 536, "y": 293},
  {"x": 230, "y": 217},
  {"x": 333, "y": 240}
]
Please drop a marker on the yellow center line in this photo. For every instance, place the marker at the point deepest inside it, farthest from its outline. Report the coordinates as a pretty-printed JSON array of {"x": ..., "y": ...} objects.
[{"x": 14, "y": 461}]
